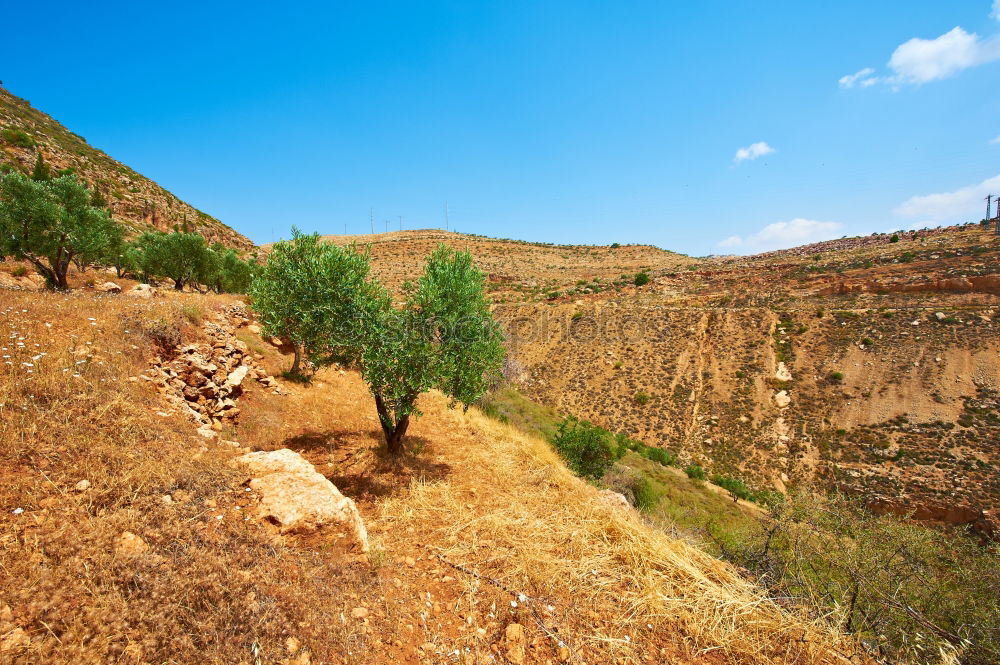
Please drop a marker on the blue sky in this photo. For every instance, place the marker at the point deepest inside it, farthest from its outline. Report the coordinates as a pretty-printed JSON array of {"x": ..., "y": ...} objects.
[{"x": 703, "y": 127}]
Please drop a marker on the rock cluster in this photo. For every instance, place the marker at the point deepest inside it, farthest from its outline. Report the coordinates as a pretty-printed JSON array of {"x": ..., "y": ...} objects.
[
  {"x": 298, "y": 499},
  {"x": 204, "y": 380}
]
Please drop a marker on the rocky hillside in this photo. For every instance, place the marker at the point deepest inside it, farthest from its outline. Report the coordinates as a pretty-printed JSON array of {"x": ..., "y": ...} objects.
[
  {"x": 517, "y": 270},
  {"x": 132, "y": 198},
  {"x": 869, "y": 364},
  {"x": 166, "y": 499}
]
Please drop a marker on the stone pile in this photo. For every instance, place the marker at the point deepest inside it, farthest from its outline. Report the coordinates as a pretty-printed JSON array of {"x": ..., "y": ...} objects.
[{"x": 205, "y": 379}]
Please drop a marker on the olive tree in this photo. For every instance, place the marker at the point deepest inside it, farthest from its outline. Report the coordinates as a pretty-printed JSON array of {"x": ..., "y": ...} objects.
[
  {"x": 443, "y": 336},
  {"x": 315, "y": 296},
  {"x": 50, "y": 223},
  {"x": 181, "y": 256}
]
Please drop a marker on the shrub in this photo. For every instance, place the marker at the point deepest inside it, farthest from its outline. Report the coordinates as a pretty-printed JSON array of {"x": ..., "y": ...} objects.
[
  {"x": 641, "y": 279},
  {"x": 867, "y": 341},
  {"x": 894, "y": 238},
  {"x": 19, "y": 271},
  {"x": 641, "y": 398},
  {"x": 643, "y": 493},
  {"x": 615, "y": 245},
  {"x": 664, "y": 457},
  {"x": 588, "y": 450},
  {"x": 836, "y": 377},
  {"x": 17, "y": 137},
  {"x": 695, "y": 472},
  {"x": 736, "y": 488},
  {"x": 910, "y": 592}
]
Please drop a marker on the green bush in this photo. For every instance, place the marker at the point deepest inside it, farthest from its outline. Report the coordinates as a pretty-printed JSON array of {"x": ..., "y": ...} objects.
[
  {"x": 588, "y": 450},
  {"x": 644, "y": 496},
  {"x": 695, "y": 472},
  {"x": 836, "y": 377},
  {"x": 19, "y": 271},
  {"x": 894, "y": 238},
  {"x": 736, "y": 488},
  {"x": 664, "y": 457},
  {"x": 910, "y": 592},
  {"x": 641, "y": 398},
  {"x": 17, "y": 137},
  {"x": 641, "y": 279}
]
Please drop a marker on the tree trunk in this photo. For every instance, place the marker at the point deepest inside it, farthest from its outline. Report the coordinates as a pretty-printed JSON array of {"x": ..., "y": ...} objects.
[
  {"x": 393, "y": 430},
  {"x": 298, "y": 359},
  {"x": 179, "y": 284}
]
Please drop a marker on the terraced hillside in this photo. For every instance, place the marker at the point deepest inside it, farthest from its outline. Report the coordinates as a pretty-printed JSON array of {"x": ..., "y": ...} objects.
[
  {"x": 517, "y": 270},
  {"x": 132, "y": 198},
  {"x": 870, "y": 364}
]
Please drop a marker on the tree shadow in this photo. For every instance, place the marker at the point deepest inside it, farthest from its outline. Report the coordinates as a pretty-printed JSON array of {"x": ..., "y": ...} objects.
[{"x": 363, "y": 468}]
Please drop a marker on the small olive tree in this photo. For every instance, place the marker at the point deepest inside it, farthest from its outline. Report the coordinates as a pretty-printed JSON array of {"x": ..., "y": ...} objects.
[
  {"x": 50, "y": 223},
  {"x": 316, "y": 296},
  {"x": 443, "y": 336}
]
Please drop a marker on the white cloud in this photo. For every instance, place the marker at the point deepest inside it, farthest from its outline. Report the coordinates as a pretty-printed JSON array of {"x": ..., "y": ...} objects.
[
  {"x": 753, "y": 151},
  {"x": 781, "y": 235},
  {"x": 918, "y": 61},
  {"x": 923, "y": 60},
  {"x": 961, "y": 205},
  {"x": 863, "y": 77},
  {"x": 997, "y": 139}
]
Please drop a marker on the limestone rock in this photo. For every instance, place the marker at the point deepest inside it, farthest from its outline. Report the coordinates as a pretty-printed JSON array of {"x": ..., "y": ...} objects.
[
  {"x": 109, "y": 287},
  {"x": 141, "y": 291},
  {"x": 613, "y": 498},
  {"x": 782, "y": 374},
  {"x": 129, "y": 544},
  {"x": 782, "y": 399},
  {"x": 297, "y": 499}
]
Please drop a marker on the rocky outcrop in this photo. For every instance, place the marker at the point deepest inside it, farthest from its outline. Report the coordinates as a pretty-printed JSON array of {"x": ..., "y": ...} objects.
[
  {"x": 293, "y": 496},
  {"x": 144, "y": 291},
  {"x": 204, "y": 380}
]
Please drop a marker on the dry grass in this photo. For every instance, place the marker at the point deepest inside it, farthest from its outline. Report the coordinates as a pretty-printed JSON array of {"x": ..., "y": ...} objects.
[
  {"x": 214, "y": 588},
  {"x": 511, "y": 510}
]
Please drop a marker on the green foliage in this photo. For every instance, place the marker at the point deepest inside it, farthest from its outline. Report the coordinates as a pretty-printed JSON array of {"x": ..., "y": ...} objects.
[
  {"x": 641, "y": 279},
  {"x": 894, "y": 238},
  {"x": 443, "y": 337},
  {"x": 314, "y": 295},
  {"x": 51, "y": 224},
  {"x": 736, "y": 488},
  {"x": 664, "y": 457},
  {"x": 695, "y": 472},
  {"x": 588, "y": 450},
  {"x": 906, "y": 590},
  {"x": 836, "y": 377},
  {"x": 16, "y": 137},
  {"x": 615, "y": 245},
  {"x": 41, "y": 171},
  {"x": 182, "y": 257},
  {"x": 644, "y": 496},
  {"x": 641, "y": 398}
]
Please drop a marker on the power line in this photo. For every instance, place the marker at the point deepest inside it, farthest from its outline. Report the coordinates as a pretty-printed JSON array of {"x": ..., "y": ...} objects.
[{"x": 371, "y": 216}]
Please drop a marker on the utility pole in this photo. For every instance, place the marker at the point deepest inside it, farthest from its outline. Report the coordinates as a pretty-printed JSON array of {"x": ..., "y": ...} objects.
[
  {"x": 445, "y": 215},
  {"x": 989, "y": 201},
  {"x": 371, "y": 217},
  {"x": 345, "y": 228},
  {"x": 386, "y": 225},
  {"x": 400, "y": 222}
]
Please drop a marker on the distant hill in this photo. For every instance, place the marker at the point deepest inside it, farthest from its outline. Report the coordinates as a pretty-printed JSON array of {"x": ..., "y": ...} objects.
[
  {"x": 134, "y": 200},
  {"x": 516, "y": 268}
]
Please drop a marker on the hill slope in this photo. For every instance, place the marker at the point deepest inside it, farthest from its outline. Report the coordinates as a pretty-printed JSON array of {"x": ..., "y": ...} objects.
[
  {"x": 133, "y": 199},
  {"x": 127, "y": 537},
  {"x": 866, "y": 364}
]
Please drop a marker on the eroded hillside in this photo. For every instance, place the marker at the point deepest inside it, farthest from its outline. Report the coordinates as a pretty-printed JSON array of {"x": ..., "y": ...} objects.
[
  {"x": 132, "y": 198},
  {"x": 866, "y": 364}
]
